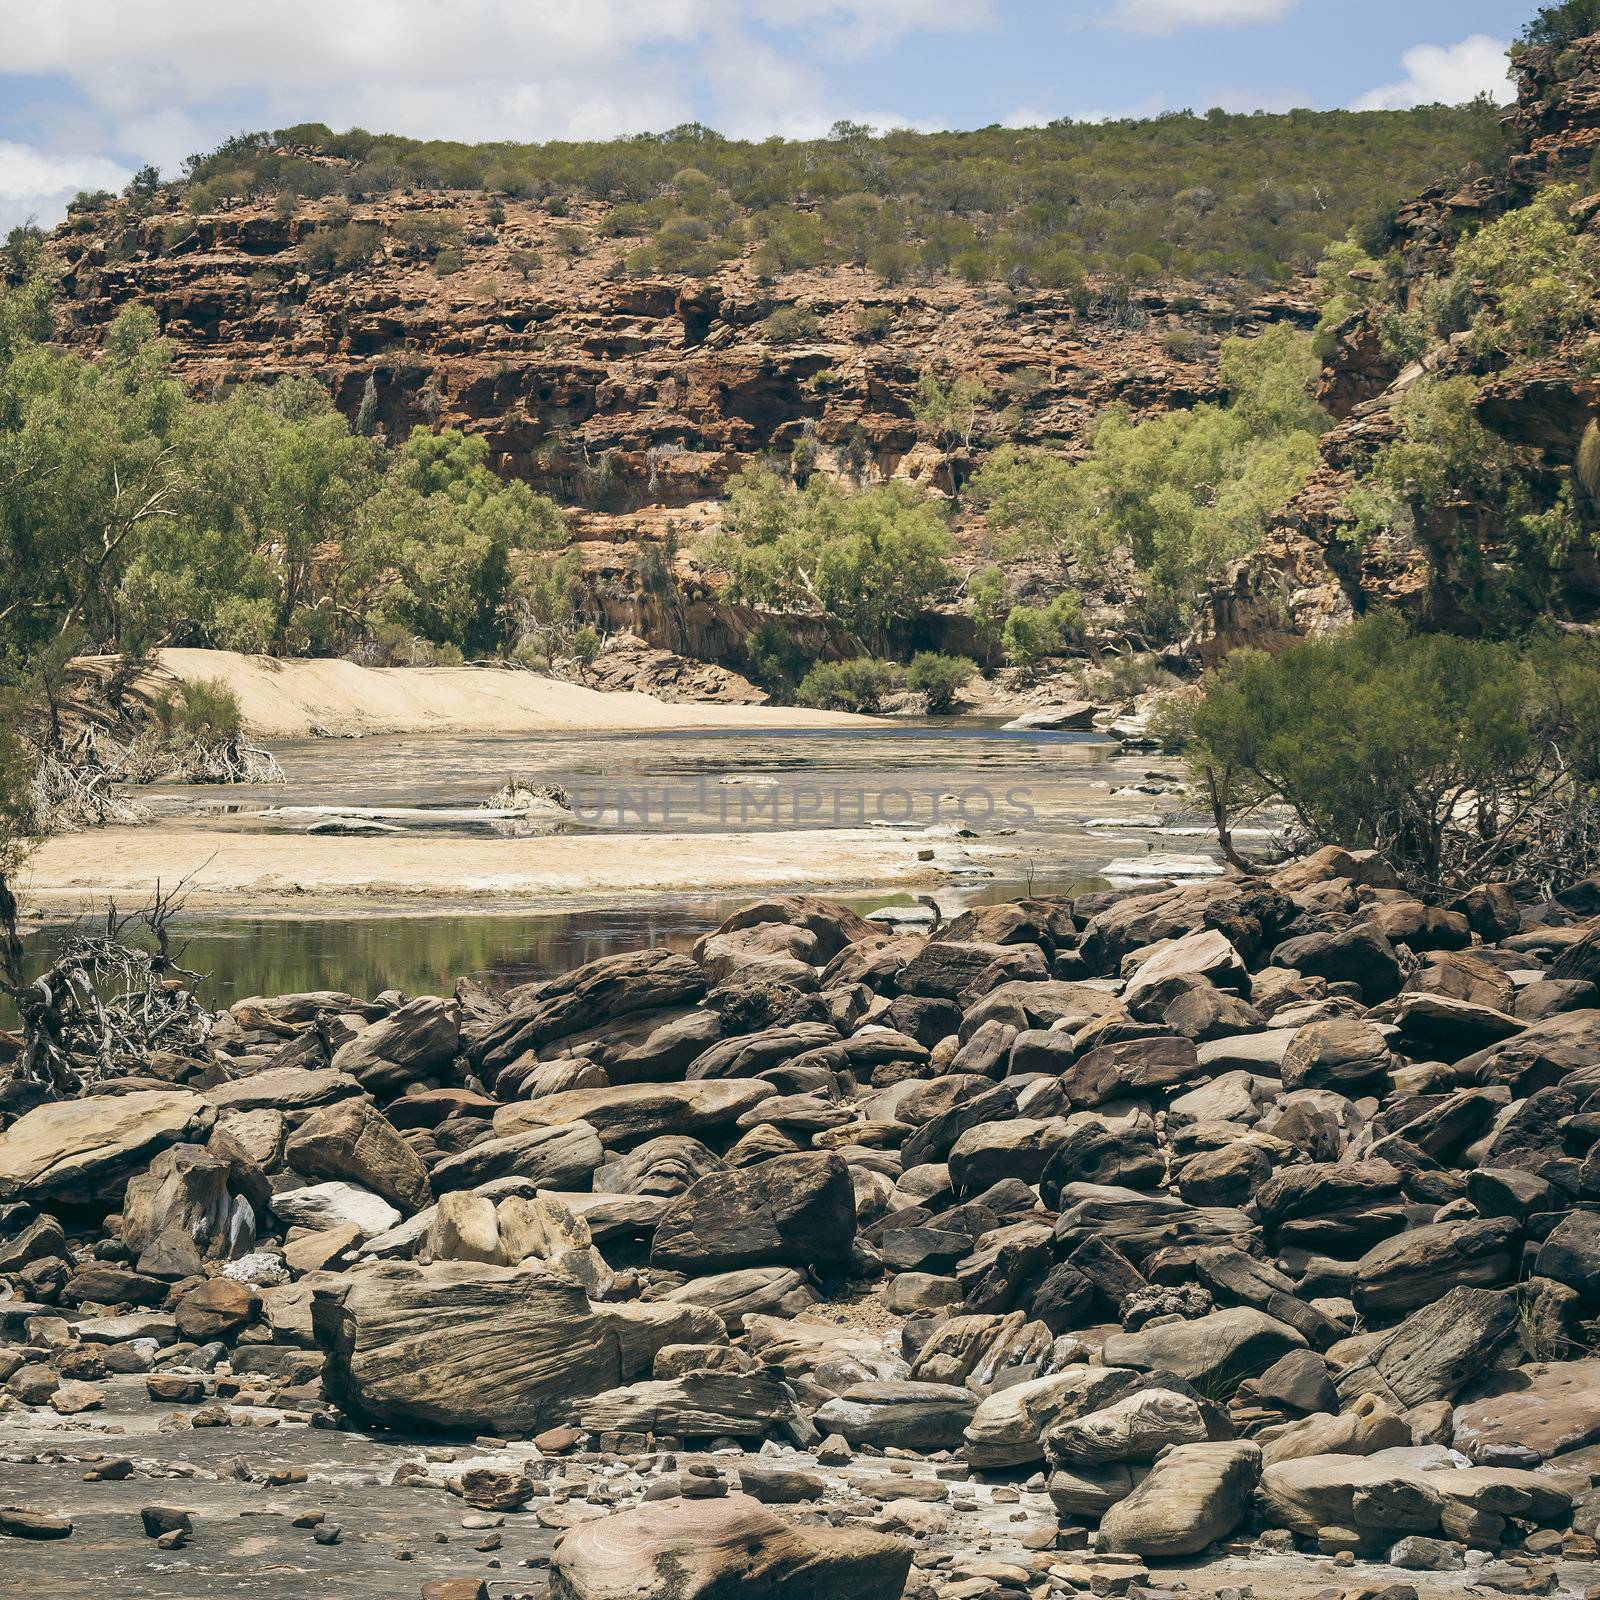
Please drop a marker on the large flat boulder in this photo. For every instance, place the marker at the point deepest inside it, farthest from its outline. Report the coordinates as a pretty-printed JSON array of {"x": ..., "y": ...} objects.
[
  {"x": 78, "y": 1147},
  {"x": 907, "y": 1415},
  {"x": 1214, "y": 1353},
  {"x": 721, "y": 1548},
  {"x": 563, "y": 1156},
  {"x": 627, "y": 1114},
  {"x": 1536, "y": 1411},
  {"x": 1195, "y": 1494},
  {"x": 614, "y": 986},
  {"x": 469, "y": 1348}
]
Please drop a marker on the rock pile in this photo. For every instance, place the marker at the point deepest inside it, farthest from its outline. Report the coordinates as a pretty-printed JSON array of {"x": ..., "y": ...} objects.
[{"x": 1256, "y": 1209}]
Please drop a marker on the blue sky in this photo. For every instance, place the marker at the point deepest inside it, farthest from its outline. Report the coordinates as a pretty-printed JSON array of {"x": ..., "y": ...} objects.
[{"x": 92, "y": 88}]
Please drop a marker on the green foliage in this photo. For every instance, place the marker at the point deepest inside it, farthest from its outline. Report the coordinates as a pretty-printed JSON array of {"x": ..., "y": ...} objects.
[
  {"x": 940, "y": 679},
  {"x": 948, "y": 409},
  {"x": 260, "y": 522},
  {"x": 1561, "y": 24},
  {"x": 868, "y": 559},
  {"x": 774, "y": 660},
  {"x": 202, "y": 712},
  {"x": 20, "y": 256},
  {"x": 1178, "y": 495},
  {"x": 1263, "y": 195},
  {"x": 340, "y": 249},
  {"x": 1465, "y": 489},
  {"x": 1534, "y": 274},
  {"x": 449, "y": 533},
  {"x": 1033, "y": 633},
  {"x": 989, "y": 601},
  {"x": 585, "y": 647},
  {"x": 88, "y": 469},
  {"x": 790, "y": 325},
  {"x": 860, "y": 684},
  {"x": 17, "y": 762},
  {"x": 1348, "y": 280},
  {"x": 1453, "y": 757}
]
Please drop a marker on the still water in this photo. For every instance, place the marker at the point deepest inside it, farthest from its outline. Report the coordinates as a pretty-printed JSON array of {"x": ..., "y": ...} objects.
[{"x": 1066, "y": 803}]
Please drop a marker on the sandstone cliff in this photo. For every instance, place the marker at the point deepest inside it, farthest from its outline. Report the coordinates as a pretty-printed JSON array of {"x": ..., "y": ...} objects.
[{"x": 1310, "y": 573}]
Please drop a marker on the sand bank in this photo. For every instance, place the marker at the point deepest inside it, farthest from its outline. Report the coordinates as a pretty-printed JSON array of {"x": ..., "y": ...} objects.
[
  {"x": 298, "y": 699},
  {"x": 263, "y": 872}
]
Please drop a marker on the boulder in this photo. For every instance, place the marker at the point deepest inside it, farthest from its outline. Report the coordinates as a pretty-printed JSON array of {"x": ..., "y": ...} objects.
[
  {"x": 1365, "y": 1428},
  {"x": 1435, "y": 1351},
  {"x": 1213, "y": 1353},
  {"x": 412, "y": 1042},
  {"x": 1136, "y": 1428},
  {"x": 1372, "y": 1496},
  {"x": 1542, "y": 1409},
  {"x": 718, "y": 1548},
  {"x": 335, "y": 1205},
  {"x": 556, "y": 1157},
  {"x": 178, "y": 1213},
  {"x": 283, "y": 1089},
  {"x": 1359, "y": 954},
  {"x": 797, "y": 1211},
  {"x": 1205, "y": 955},
  {"x": 1341, "y": 1053},
  {"x": 469, "y": 1348},
  {"x": 353, "y": 1141},
  {"x": 599, "y": 991},
  {"x": 79, "y": 1147},
  {"x": 627, "y": 1114},
  {"x": 697, "y": 1405},
  {"x": 1571, "y": 1254},
  {"x": 1194, "y": 1495},
  {"x": 906, "y": 1415},
  {"x": 1007, "y": 1428},
  {"x": 1422, "y": 1265}
]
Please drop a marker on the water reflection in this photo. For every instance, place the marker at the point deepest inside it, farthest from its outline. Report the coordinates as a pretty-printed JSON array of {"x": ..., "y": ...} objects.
[{"x": 426, "y": 954}]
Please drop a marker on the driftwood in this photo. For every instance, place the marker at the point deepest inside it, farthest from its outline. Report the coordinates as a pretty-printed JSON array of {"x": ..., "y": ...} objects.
[{"x": 112, "y": 994}]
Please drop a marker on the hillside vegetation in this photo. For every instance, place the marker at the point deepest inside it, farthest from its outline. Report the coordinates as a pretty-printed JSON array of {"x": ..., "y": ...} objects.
[{"x": 1187, "y": 195}]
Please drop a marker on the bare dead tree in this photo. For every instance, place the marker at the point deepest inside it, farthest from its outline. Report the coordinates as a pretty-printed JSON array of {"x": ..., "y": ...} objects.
[{"x": 113, "y": 993}]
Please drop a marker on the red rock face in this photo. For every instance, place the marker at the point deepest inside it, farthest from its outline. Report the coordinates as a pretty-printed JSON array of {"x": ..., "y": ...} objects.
[
  {"x": 1308, "y": 576},
  {"x": 628, "y": 396}
]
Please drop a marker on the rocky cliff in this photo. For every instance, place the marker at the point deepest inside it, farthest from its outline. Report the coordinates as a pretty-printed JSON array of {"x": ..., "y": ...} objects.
[
  {"x": 1311, "y": 572},
  {"x": 631, "y": 400}
]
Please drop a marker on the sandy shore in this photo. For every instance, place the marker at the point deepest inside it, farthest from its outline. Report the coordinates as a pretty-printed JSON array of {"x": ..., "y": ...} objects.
[
  {"x": 299, "y": 699},
  {"x": 262, "y": 872}
]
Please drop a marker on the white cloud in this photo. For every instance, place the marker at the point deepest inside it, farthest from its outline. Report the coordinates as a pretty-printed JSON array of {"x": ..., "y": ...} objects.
[
  {"x": 1167, "y": 16},
  {"x": 1026, "y": 117},
  {"x": 167, "y": 77},
  {"x": 37, "y": 185},
  {"x": 1448, "y": 74}
]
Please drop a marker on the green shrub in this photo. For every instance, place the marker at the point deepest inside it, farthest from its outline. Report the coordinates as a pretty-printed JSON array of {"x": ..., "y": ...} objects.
[
  {"x": 773, "y": 660},
  {"x": 790, "y": 325},
  {"x": 873, "y": 322},
  {"x": 868, "y": 559},
  {"x": 204, "y": 712},
  {"x": 989, "y": 602},
  {"x": 1460, "y": 760},
  {"x": 1561, "y": 24},
  {"x": 585, "y": 647},
  {"x": 1177, "y": 495},
  {"x": 1033, "y": 633},
  {"x": 940, "y": 678},
  {"x": 860, "y": 684}
]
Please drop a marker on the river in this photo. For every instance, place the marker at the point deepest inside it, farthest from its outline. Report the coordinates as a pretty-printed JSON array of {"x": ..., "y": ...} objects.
[{"x": 1063, "y": 805}]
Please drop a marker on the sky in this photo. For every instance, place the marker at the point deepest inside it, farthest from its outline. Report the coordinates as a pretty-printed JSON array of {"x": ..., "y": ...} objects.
[{"x": 92, "y": 89}]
